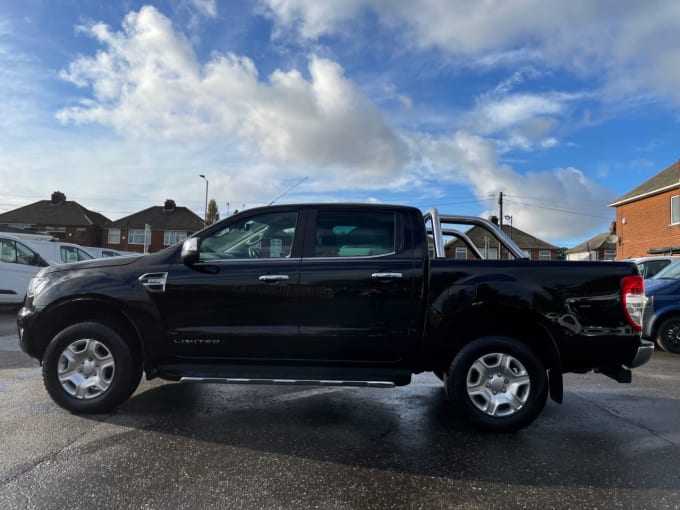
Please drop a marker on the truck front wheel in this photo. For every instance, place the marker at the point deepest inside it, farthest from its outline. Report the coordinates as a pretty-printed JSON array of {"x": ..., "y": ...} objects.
[
  {"x": 89, "y": 368},
  {"x": 498, "y": 383}
]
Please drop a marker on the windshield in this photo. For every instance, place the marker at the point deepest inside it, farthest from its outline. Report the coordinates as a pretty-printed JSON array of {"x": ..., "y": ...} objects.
[{"x": 671, "y": 272}]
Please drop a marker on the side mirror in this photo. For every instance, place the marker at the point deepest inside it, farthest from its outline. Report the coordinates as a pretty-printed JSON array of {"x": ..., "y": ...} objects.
[{"x": 190, "y": 253}]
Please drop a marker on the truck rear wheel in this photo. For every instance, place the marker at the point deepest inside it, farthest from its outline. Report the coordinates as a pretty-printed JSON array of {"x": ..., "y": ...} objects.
[
  {"x": 498, "y": 384},
  {"x": 89, "y": 368}
]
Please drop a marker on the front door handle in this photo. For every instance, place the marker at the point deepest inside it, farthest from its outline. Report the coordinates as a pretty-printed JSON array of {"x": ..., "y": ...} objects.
[
  {"x": 273, "y": 278},
  {"x": 386, "y": 276}
]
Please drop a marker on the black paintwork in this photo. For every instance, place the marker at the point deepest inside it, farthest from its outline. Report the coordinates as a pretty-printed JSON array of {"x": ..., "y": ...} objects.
[{"x": 218, "y": 319}]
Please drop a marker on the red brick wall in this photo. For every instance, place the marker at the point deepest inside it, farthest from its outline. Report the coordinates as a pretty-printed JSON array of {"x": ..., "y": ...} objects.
[
  {"x": 647, "y": 225},
  {"x": 156, "y": 241}
]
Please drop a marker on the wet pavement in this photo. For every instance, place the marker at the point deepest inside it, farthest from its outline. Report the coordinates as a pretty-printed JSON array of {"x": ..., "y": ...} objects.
[{"x": 204, "y": 446}]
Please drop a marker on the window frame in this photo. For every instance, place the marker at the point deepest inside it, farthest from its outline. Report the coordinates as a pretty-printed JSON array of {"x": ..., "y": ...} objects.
[
  {"x": 675, "y": 211},
  {"x": 134, "y": 232},
  {"x": 542, "y": 253},
  {"x": 461, "y": 250},
  {"x": 171, "y": 237},
  {"x": 116, "y": 236}
]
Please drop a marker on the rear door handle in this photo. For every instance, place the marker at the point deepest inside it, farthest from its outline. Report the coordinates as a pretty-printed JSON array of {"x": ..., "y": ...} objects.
[
  {"x": 273, "y": 278},
  {"x": 385, "y": 276}
]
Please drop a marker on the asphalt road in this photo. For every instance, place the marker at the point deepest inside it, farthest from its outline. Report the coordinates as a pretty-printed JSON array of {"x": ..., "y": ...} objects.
[{"x": 206, "y": 446}]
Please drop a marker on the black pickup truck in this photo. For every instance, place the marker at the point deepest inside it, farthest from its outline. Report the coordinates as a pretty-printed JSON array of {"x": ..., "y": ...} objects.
[{"x": 336, "y": 294}]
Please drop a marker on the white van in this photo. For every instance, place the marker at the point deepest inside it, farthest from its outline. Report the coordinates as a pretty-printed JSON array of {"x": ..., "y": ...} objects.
[
  {"x": 103, "y": 253},
  {"x": 18, "y": 264},
  {"x": 56, "y": 252}
]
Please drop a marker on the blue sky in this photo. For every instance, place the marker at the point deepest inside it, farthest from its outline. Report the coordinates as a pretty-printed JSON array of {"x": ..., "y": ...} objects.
[{"x": 560, "y": 106}]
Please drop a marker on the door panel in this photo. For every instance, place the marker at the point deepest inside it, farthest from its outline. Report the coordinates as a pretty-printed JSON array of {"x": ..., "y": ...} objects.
[
  {"x": 358, "y": 296},
  {"x": 239, "y": 302},
  {"x": 232, "y": 310},
  {"x": 348, "y": 315}
]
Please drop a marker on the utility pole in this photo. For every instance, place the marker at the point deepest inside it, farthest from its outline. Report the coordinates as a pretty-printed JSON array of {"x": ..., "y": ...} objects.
[{"x": 500, "y": 205}]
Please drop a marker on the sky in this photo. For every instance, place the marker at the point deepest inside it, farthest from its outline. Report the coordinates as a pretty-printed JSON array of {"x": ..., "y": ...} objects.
[{"x": 560, "y": 106}]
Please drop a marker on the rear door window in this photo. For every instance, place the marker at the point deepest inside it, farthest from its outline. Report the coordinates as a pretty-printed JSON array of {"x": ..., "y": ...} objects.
[{"x": 354, "y": 234}]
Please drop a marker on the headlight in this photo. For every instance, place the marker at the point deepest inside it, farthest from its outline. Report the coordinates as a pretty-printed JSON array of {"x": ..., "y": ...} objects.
[{"x": 37, "y": 284}]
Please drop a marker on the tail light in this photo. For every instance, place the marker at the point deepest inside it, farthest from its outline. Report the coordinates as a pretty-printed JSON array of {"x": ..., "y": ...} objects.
[{"x": 633, "y": 300}]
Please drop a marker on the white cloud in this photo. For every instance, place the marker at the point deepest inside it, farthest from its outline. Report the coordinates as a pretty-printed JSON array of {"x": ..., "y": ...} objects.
[
  {"x": 207, "y": 8},
  {"x": 557, "y": 204},
  {"x": 148, "y": 82},
  {"x": 254, "y": 136},
  {"x": 634, "y": 46}
]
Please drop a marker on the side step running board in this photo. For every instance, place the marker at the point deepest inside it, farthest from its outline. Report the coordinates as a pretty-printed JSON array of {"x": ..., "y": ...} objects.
[{"x": 238, "y": 380}]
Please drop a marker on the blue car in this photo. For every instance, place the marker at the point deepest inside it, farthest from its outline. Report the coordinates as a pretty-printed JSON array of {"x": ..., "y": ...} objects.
[{"x": 661, "y": 321}]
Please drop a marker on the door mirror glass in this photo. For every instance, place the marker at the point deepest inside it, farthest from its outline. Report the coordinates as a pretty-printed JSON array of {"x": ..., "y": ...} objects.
[{"x": 190, "y": 251}]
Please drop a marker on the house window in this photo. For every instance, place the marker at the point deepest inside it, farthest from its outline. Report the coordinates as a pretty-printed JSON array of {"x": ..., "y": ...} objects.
[
  {"x": 114, "y": 236},
  {"x": 609, "y": 254},
  {"x": 675, "y": 209},
  {"x": 136, "y": 236},
  {"x": 492, "y": 253},
  {"x": 173, "y": 236},
  {"x": 544, "y": 255},
  {"x": 461, "y": 253},
  {"x": 80, "y": 234},
  {"x": 58, "y": 232}
]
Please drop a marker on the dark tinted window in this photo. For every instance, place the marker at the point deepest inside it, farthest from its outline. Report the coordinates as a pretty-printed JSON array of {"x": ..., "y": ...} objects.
[{"x": 354, "y": 234}]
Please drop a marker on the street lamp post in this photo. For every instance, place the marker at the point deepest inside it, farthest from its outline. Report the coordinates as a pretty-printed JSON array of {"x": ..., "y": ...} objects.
[{"x": 205, "y": 216}]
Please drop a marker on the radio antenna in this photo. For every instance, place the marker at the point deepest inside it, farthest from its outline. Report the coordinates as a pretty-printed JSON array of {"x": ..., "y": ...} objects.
[{"x": 288, "y": 190}]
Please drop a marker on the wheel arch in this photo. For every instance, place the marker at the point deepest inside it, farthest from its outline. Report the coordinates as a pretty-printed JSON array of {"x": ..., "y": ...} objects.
[
  {"x": 62, "y": 314},
  {"x": 523, "y": 325}
]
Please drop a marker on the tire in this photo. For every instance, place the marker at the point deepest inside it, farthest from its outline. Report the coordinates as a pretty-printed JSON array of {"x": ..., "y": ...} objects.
[
  {"x": 668, "y": 335},
  {"x": 89, "y": 368},
  {"x": 498, "y": 384}
]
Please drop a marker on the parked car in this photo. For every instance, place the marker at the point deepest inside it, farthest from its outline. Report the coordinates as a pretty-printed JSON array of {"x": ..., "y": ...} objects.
[
  {"x": 662, "y": 312},
  {"x": 103, "y": 253},
  {"x": 649, "y": 266},
  {"x": 18, "y": 264},
  {"x": 57, "y": 252},
  {"x": 339, "y": 295}
]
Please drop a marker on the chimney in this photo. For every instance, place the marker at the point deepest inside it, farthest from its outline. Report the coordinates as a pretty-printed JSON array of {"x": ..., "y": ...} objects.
[
  {"x": 169, "y": 205},
  {"x": 493, "y": 219},
  {"x": 58, "y": 198}
]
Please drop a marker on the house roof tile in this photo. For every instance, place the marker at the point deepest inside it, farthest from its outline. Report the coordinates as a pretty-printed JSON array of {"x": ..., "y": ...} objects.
[
  {"x": 521, "y": 238},
  {"x": 161, "y": 218},
  {"x": 600, "y": 241},
  {"x": 45, "y": 212},
  {"x": 660, "y": 182}
]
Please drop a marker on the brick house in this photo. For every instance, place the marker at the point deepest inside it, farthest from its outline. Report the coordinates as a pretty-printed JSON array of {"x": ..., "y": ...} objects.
[
  {"x": 169, "y": 225},
  {"x": 600, "y": 247},
  {"x": 648, "y": 217},
  {"x": 64, "y": 219},
  {"x": 535, "y": 248}
]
